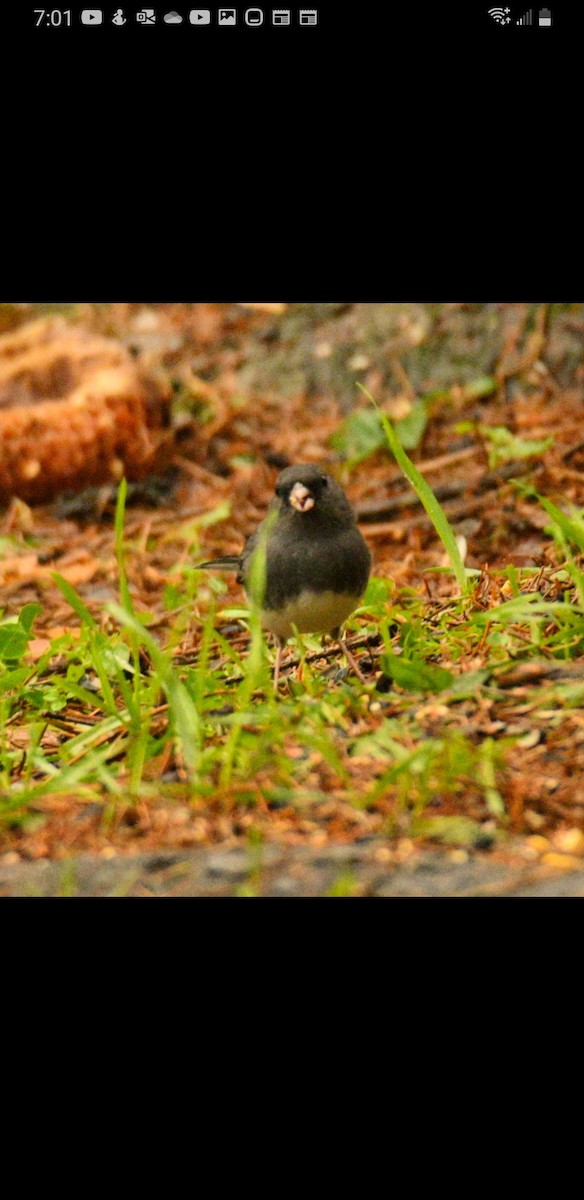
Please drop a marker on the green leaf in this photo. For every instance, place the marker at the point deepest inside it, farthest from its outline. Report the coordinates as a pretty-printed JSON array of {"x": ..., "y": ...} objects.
[
  {"x": 377, "y": 592},
  {"x": 27, "y": 615},
  {"x": 506, "y": 446},
  {"x": 16, "y": 632},
  {"x": 359, "y": 435},
  {"x": 454, "y": 831},
  {"x": 362, "y": 434},
  {"x": 484, "y": 385},
  {"x": 414, "y": 675},
  {"x": 469, "y": 682},
  {"x": 13, "y": 680},
  {"x": 48, "y": 698},
  {"x": 410, "y": 429},
  {"x": 13, "y": 643}
]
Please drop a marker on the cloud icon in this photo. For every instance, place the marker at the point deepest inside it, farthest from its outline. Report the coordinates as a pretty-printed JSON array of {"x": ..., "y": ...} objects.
[{"x": 172, "y": 18}]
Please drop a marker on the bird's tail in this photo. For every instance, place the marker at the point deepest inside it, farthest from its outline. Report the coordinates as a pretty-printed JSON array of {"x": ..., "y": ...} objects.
[{"x": 229, "y": 562}]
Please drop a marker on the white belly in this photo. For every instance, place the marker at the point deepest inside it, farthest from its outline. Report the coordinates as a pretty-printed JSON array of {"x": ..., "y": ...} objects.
[{"x": 310, "y": 612}]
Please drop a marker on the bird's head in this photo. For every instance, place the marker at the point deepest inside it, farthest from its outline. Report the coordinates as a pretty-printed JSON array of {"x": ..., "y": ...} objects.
[{"x": 307, "y": 488}]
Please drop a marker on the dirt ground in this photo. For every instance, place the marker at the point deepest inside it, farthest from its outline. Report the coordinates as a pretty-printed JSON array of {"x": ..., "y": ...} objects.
[{"x": 255, "y": 388}]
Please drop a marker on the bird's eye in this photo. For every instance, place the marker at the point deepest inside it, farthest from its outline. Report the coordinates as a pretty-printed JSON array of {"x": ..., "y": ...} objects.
[{"x": 324, "y": 480}]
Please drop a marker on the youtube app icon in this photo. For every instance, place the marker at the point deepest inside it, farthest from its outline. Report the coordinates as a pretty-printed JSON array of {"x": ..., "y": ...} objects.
[
  {"x": 200, "y": 16},
  {"x": 91, "y": 16}
]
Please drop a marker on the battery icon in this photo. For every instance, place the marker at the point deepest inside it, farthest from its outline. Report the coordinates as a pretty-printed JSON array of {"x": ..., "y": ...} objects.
[{"x": 545, "y": 16}]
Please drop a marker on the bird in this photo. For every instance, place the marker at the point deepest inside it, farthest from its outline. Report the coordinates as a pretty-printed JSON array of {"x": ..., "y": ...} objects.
[{"x": 317, "y": 562}]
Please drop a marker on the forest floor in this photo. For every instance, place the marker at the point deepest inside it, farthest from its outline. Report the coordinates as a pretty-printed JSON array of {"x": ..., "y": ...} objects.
[{"x": 457, "y": 768}]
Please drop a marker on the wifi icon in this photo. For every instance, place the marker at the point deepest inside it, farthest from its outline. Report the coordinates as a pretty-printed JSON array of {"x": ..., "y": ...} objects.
[{"x": 500, "y": 15}]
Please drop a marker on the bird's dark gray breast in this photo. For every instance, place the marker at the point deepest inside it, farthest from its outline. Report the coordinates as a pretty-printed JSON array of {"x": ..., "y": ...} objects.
[{"x": 336, "y": 561}]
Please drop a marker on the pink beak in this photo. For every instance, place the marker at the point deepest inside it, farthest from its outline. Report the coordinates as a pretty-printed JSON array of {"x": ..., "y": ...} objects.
[{"x": 301, "y": 499}]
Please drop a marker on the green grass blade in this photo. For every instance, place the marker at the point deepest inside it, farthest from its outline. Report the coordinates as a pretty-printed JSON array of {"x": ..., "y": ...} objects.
[
  {"x": 74, "y": 600},
  {"x": 426, "y": 497},
  {"x": 187, "y": 722},
  {"x": 125, "y": 596},
  {"x": 93, "y": 636},
  {"x": 255, "y": 663}
]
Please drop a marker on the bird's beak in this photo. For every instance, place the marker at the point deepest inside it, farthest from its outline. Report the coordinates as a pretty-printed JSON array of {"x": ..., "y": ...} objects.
[{"x": 300, "y": 498}]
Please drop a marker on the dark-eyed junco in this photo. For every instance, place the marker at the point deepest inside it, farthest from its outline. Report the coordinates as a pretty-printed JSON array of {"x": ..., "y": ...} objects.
[{"x": 317, "y": 562}]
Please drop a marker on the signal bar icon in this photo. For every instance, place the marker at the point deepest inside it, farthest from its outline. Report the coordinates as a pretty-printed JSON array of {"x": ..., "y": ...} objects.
[{"x": 527, "y": 18}]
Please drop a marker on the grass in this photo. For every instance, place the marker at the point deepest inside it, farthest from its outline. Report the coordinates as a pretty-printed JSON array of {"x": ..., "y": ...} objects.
[
  {"x": 425, "y": 495},
  {"x": 437, "y": 747}
]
